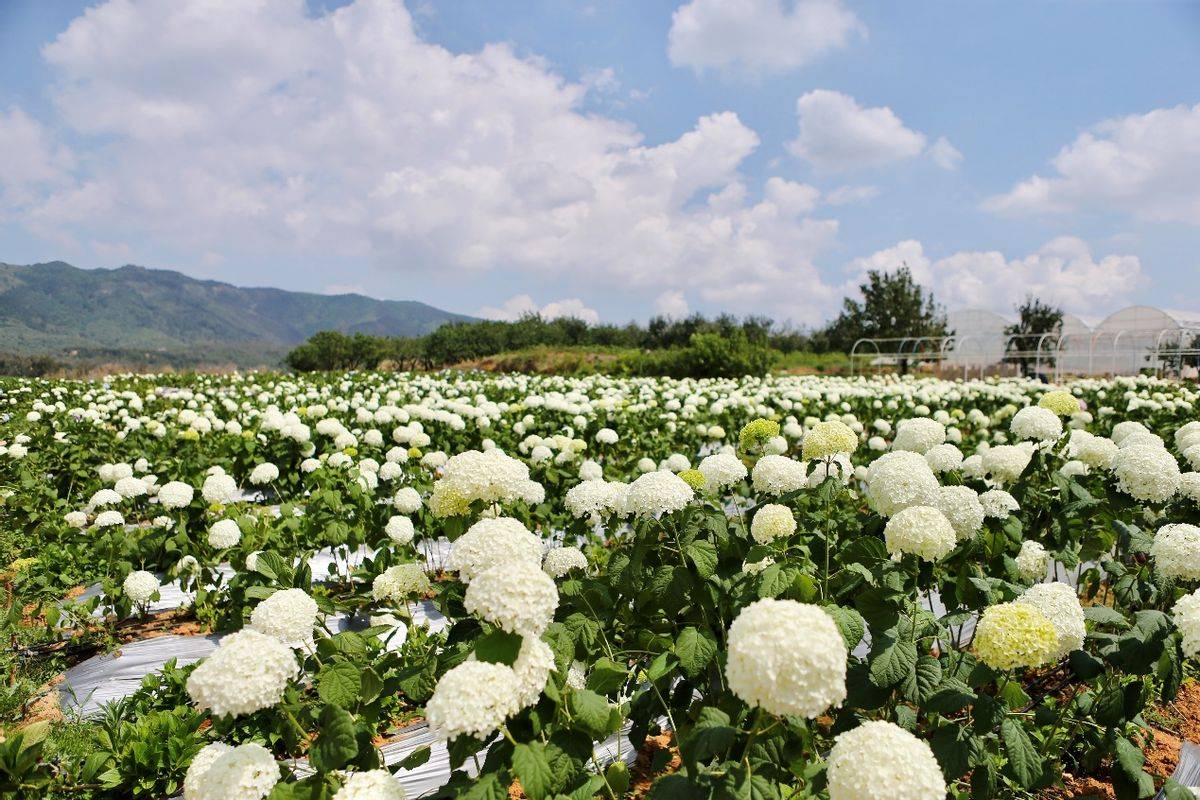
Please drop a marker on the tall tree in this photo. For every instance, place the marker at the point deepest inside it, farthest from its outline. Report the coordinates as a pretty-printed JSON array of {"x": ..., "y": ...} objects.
[
  {"x": 893, "y": 306},
  {"x": 1034, "y": 318}
]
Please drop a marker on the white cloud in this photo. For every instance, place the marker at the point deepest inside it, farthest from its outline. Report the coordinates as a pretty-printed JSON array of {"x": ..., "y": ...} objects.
[
  {"x": 758, "y": 36},
  {"x": 1146, "y": 165},
  {"x": 257, "y": 130},
  {"x": 845, "y": 195},
  {"x": 1063, "y": 271},
  {"x": 519, "y": 305},
  {"x": 32, "y": 163},
  {"x": 672, "y": 303},
  {"x": 837, "y": 133},
  {"x": 944, "y": 154}
]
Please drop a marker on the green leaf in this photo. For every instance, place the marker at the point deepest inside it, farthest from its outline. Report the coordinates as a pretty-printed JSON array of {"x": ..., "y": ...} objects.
[
  {"x": 336, "y": 742},
  {"x": 895, "y": 661},
  {"x": 487, "y": 787},
  {"x": 498, "y": 647},
  {"x": 530, "y": 764},
  {"x": 607, "y": 676},
  {"x": 920, "y": 684},
  {"x": 712, "y": 734},
  {"x": 950, "y": 748},
  {"x": 589, "y": 713},
  {"x": 1105, "y": 616},
  {"x": 1024, "y": 761},
  {"x": 703, "y": 554},
  {"x": 416, "y": 758},
  {"x": 850, "y": 624},
  {"x": 339, "y": 684},
  {"x": 951, "y": 696},
  {"x": 1173, "y": 790},
  {"x": 674, "y": 787},
  {"x": 1129, "y": 758},
  {"x": 695, "y": 650}
]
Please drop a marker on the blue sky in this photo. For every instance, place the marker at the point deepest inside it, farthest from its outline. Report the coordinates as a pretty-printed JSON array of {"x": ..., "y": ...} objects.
[{"x": 617, "y": 159}]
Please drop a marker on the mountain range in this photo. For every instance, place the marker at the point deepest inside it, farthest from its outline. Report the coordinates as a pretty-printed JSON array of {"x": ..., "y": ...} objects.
[{"x": 160, "y": 317}]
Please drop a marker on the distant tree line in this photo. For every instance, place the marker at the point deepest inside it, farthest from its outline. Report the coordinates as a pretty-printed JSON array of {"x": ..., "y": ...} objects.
[{"x": 892, "y": 305}]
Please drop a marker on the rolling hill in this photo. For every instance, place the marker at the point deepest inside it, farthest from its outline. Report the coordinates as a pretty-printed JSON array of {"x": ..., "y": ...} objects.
[{"x": 151, "y": 316}]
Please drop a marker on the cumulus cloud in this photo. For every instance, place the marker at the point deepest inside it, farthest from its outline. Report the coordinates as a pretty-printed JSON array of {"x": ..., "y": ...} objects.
[
  {"x": 32, "y": 163},
  {"x": 944, "y": 154},
  {"x": 1063, "y": 272},
  {"x": 259, "y": 130},
  {"x": 758, "y": 36},
  {"x": 846, "y": 195},
  {"x": 672, "y": 303},
  {"x": 520, "y": 305},
  {"x": 1146, "y": 165},
  {"x": 836, "y": 133}
]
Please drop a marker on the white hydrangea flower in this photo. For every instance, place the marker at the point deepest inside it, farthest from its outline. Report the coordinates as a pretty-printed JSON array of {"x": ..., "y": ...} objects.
[
  {"x": 289, "y": 615},
  {"x": 176, "y": 494},
  {"x": 130, "y": 487},
  {"x": 1187, "y": 619},
  {"x": 245, "y": 772},
  {"x": 1036, "y": 423},
  {"x": 375, "y": 784},
  {"x": 772, "y": 521},
  {"x": 219, "y": 488},
  {"x": 1059, "y": 603},
  {"x": 516, "y": 597},
  {"x": 656, "y": 493},
  {"x": 1147, "y": 473},
  {"x": 246, "y": 673},
  {"x": 777, "y": 475},
  {"x": 400, "y": 583},
  {"x": 75, "y": 519},
  {"x": 561, "y": 560},
  {"x": 721, "y": 470},
  {"x": 787, "y": 658},
  {"x": 473, "y": 698},
  {"x": 1006, "y": 462},
  {"x": 264, "y": 473},
  {"x": 899, "y": 480},
  {"x": 998, "y": 504},
  {"x": 918, "y": 435},
  {"x": 491, "y": 542},
  {"x": 193, "y": 780},
  {"x": 943, "y": 458},
  {"x": 1176, "y": 552},
  {"x": 400, "y": 530},
  {"x": 407, "y": 500},
  {"x": 961, "y": 506},
  {"x": 139, "y": 586},
  {"x": 224, "y": 534},
  {"x": 922, "y": 531},
  {"x": 879, "y": 760},
  {"x": 109, "y": 519},
  {"x": 1032, "y": 561}
]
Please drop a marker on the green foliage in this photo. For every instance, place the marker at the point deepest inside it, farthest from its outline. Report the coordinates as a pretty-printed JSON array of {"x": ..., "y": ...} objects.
[{"x": 893, "y": 306}]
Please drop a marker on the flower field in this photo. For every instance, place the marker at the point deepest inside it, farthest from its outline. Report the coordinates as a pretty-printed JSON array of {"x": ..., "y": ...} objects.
[{"x": 490, "y": 586}]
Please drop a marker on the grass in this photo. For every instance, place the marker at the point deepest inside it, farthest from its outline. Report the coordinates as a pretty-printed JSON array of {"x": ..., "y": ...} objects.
[{"x": 803, "y": 363}]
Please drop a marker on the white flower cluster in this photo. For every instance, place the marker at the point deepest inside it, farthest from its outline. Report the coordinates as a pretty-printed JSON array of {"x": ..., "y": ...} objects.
[
  {"x": 288, "y": 615},
  {"x": 1176, "y": 552},
  {"x": 998, "y": 504},
  {"x": 879, "y": 760},
  {"x": 918, "y": 435},
  {"x": 407, "y": 500},
  {"x": 489, "y": 476},
  {"x": 491, "y": 542},
  {"x": 400, "y": 583},
  {"x": 219, "y": 488},
  {"x": 772, "y": 521},
  {"x": 221, "y": 772},
  {"x": 1146, "y": 472},
  {"x": 139, "y": 586},
  {"x": 224, "y": 534},
  {"x": 1006, "y": 462},
  {"x": 922, "y": 531},
  {"x": 516, "y": 597},
  {"x": 786, "y": 657},
  {"x": 1036, "y": 423},
  {"x": 473, "y": 698},
  {"x": 960, "y": 505},
  {"x": 776, "y": 475},
  {"x": 659, "y": 492},
  {"x": 1059, "y": 603},
  {"x": 721, "y": 470},
  {"x": 561, "y": 560},
  {"x": 1187, "y": 619},
  {"x": 246, "y": 673},
  {"x": 899, "y": 480},
  {"x": 400, "y": 529},
  {"x": 1032, "y": 560},
  {"x": 264, "y": 473},
  {"x": 176, "y": 494},
  {"x": 597, "y": 499},
  {"x": 375, "y": 784}
]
